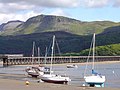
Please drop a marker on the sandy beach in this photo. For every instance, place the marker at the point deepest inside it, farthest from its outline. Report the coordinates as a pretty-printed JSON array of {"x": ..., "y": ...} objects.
[
  {"x": 15, "y": 82},
  {"x": 9, "y": 84}
]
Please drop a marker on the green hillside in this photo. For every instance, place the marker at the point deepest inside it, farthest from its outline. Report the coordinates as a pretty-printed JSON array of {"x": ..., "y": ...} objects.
[
  {"x": 49, "y": 23},
  {"x": 44, "y": 23},
  {"x": 68, "y": 43},
  {"x": 107, "y": 50},
  {"x": 72, "y": 35}
]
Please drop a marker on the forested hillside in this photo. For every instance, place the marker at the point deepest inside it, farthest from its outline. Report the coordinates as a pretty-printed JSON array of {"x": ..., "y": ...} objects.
[{"x": 72, "y": 35}]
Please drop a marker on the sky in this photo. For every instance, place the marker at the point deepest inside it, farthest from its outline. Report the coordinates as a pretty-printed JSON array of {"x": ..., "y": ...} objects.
[{"x": 83, "y": 10}]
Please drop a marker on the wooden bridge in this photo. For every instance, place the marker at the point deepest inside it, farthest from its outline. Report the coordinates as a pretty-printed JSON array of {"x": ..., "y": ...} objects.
[{"x": 20, "y": 60}]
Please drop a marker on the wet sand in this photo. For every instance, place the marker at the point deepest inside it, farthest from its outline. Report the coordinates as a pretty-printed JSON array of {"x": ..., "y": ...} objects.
[
  {"x": 14, "y": 82},
  {"x": 7, "y": 84}
]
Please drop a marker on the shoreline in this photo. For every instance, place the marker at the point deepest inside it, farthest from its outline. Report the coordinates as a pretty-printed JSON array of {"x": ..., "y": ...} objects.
[
  {"x": 64, "y": 64},
  {"x": 16, "y": 82},
  {"x": 21, "y": 85}
]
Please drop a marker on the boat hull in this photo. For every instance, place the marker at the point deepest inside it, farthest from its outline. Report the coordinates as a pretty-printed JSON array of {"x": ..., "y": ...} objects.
[
  {"x": 33, "y": 74},
  {"x": 71, "y": 66},
  {"x": 34, "y": 71},
  {"x": 55, "y": 79},
  {"x": 94, "y": 79},
  {"x": 57, "y": 82}
]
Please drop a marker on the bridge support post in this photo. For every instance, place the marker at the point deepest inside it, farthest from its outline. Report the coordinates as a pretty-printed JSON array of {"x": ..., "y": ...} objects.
[{"x": 5, "y": 62}]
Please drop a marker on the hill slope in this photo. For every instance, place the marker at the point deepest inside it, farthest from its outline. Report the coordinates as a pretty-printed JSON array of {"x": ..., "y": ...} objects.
[
  {"x": 68, "y": 43},
  {"x": 9, "y": 27},
  {"x": 72, "y": 35},
  {"x": 107, "y": 50},
  {"x": 48, "y": 23}
]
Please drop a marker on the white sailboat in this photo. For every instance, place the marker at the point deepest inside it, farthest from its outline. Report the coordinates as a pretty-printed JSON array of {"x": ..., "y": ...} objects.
[
  {"x": 53, "y": 78},
  {"x": 71, "y": 65},
  {"x": 94, "y": 80},
  {"x": 32, "y": 71},
  {"x": 35, "y": 71}
]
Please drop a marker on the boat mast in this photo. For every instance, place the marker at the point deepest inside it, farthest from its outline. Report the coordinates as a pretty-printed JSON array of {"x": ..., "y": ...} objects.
[
  {"x": 33, "y": 52},
  {"x": 52, "y": 52},
  {"x": 45, "y": 55},
  {"x": 39, "y": 55},
  {"x": 93, "y": 51},
  {"x": 70, "y": 59}
]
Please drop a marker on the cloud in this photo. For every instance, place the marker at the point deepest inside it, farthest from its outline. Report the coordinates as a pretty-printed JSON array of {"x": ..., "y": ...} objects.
[
  {"x": 55, "y": 3},
  {"x": 22, "y": 17},
  {"x": 20, "y": 5},
  {"x": 116, "y": 3},
  {"x": 45, "y": 3},
  {"x": 99, "y": 3},
  {"x": 58, "y": 12},
  {"x": 23, "y": 6},
  {"x": 23, "y": 9},
  {"x": 95, "y": 3},
  {"x": 14, "y": 7}
]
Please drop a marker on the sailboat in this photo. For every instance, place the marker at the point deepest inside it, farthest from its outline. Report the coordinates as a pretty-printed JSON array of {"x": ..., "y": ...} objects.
[
  {"x": 96, "y": 79},
  {"x": 72, "y": 65},
  {"x": 54, "y": 78},
  {"x": 35, "y": 71}
]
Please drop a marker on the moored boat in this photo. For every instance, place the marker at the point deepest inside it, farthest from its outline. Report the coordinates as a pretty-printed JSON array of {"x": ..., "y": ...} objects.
[
  {"x": 96, "y": 79},
  {"x": 54, "y": 78},
  {"x": 72, "y": 66},
  {"x": 36, "y": 71}
]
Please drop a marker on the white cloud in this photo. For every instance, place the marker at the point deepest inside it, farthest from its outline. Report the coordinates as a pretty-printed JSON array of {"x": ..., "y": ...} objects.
[
  {"x": 23, "y": 9},
  {"x": 14, "y": 7},
  {"x": 23, "y": 17},
  {"x": 55, "y": 3},
  {"x": 99, "y": 3},
  {"x": 95, "y": 3},
  {"x": 117, "y": 3},
  {"x": 58, "y": 12},
  {"x": 46, "y": 3}
]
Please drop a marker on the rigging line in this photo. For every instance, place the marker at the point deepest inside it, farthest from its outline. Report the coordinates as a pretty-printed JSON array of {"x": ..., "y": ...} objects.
[
  {"x": 96, "y": 53},
  {"x": 93, "y": 51},
  {"x": 58, "y": 48},
  {"x": 41, "y": 53},
  {"x": 49, "y": 48},
  {"x": 52, "y": 48},
  {"x": 88, "y": 57}
]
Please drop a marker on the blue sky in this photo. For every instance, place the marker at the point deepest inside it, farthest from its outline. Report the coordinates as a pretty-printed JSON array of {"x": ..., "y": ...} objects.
[{"x": 84, "y": 10}]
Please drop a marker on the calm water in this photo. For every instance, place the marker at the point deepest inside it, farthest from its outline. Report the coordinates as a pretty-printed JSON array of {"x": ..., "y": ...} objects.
[{"x": 111, "y": 71}]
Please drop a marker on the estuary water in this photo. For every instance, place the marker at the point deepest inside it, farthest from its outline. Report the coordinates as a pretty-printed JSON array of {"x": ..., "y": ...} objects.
[{"x": 110, "y": 70}]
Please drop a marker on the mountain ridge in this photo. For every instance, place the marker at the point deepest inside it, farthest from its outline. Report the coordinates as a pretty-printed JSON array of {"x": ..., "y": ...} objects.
[
  {"x": 9, "y": 26},
  {"x": 72, "y": 35},
  {"x": 48, "y": 23}
]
